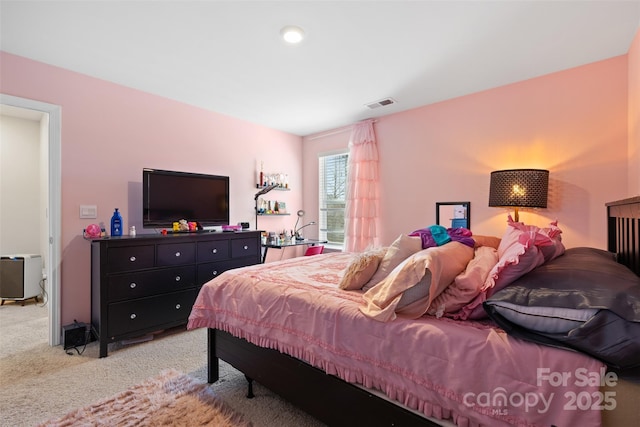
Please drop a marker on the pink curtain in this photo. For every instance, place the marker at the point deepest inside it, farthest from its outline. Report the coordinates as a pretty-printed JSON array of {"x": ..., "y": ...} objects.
[{"x": 361, "y": 211}]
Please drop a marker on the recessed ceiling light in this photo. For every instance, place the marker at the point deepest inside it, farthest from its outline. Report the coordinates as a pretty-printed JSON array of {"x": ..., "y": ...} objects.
[{"x": 292, "y": 34}]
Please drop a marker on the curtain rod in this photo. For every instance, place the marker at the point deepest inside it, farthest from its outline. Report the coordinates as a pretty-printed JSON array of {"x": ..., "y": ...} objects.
[{"x": 336, "y": 131}]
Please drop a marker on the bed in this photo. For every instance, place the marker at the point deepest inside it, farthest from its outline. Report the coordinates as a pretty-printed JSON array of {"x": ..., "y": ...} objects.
[{"x": 292, "y": 328}]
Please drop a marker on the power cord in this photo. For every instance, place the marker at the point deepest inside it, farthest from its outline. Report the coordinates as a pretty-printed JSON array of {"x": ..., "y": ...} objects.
[{"x": 43, "y": 288}]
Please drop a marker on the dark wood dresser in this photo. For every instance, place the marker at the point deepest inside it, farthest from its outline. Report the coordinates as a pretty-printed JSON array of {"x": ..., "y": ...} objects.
[{"x": 149, "y": 283}]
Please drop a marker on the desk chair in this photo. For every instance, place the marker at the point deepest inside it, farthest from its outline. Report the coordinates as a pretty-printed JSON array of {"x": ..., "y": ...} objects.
[{"x": 314, "y": 250}]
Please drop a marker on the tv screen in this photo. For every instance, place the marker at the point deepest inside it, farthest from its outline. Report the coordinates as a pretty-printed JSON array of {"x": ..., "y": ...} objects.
[{"x": 169, "y": 196}]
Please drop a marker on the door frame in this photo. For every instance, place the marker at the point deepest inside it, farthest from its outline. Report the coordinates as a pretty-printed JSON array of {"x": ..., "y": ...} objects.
[{"x": 54, "y": 208}]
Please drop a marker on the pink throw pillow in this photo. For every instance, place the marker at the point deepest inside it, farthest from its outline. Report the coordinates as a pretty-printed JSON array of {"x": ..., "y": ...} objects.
[
  {"x": 518, "y": 254},
  {"x": 556, "y": 248},
  {"x": 467, "y": 285}
]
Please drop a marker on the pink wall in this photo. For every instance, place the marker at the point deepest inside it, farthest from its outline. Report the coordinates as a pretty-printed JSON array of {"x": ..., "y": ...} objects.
[
  {"x": 573, "y": 123},
  {"x": 581, "y": 124},
  {"x": 634, "y": 116},
  {"x": 110, "y": 133}
]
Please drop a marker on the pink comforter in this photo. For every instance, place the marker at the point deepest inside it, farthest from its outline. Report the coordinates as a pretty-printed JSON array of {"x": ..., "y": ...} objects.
[{"x": 470, "y": 372}]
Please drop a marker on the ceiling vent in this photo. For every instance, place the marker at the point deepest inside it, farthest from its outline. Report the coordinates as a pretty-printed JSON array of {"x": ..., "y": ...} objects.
[{"x": 380, "y": 103}]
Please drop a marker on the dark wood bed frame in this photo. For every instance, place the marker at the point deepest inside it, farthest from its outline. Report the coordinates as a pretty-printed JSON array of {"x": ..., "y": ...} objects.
[
  {"x": 623, "y": 231},
  {"x": 338, "y": 403}
]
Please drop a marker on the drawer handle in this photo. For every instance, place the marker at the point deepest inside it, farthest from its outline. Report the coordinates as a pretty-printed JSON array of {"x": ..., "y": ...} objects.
[
  {"x": 215, "y": 272},
  {"x": 177, "y": 278},
  {"x": 177, "y": 306},
  {"x": 177, "y": 254},
  {"x": 246, "y": 247},
  {"x": 214, "y": 251},
  {"x": 133, "y": 316},
  {"x": 132, "y": 259},
  {"x": 132, "y": 285}
]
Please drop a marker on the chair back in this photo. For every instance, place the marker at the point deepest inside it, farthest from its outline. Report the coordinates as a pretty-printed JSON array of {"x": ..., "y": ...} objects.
[{"x": 314, "y": 250}]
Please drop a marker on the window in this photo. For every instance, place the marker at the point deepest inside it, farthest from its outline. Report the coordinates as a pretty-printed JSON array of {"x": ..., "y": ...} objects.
[{"x": 333, "y": 197}]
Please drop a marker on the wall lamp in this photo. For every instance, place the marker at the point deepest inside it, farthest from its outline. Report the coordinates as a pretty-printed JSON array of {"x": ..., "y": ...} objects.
[{"x": 519, "y": 188}]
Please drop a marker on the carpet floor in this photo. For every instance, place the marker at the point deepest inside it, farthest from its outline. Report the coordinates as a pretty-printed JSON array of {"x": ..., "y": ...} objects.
[
  {"x": 170, "y": 399},
  {"x": 39, "y": 382}
]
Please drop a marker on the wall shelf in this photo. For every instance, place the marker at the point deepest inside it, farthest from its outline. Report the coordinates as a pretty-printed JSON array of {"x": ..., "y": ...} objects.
[
  {"x": 265, "y": 190},
  {"x": 277, "y": 188}
]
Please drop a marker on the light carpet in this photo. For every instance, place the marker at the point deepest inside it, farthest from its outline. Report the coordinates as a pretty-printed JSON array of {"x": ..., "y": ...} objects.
[
  {"x": 39, "y": 382},
  {"x": 170, "y": 399}
]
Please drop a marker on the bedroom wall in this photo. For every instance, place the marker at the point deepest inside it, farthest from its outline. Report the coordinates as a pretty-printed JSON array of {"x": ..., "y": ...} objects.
[
  {"x": 573, "y": 123},
  {"x": 634, "y": 116},
  {"x": 110, "y": 133},
  {"x": 20, "y": 186}
]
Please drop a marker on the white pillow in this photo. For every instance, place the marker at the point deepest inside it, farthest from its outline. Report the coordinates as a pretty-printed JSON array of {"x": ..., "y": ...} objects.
[
  {"x": 401, "y": 249},
  {"x": 361, "y": 268}
]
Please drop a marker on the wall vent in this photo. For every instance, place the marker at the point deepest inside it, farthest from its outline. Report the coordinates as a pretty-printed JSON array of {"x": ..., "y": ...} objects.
[{"x": 380, "y": 103}]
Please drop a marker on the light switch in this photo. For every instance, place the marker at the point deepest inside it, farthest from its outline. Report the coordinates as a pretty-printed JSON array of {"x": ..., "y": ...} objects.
[{"x": 88, "y": 211}]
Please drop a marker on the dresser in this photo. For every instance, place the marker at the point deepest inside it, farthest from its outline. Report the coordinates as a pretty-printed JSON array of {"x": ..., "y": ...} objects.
[{"x": 148, "y": 283}]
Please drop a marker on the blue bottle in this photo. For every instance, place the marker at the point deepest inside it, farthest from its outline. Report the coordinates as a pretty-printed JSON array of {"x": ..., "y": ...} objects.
[{"x": 116, "y": 224}]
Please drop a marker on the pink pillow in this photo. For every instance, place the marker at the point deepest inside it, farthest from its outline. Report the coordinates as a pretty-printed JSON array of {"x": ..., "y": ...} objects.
[
  {"x": 431, "y": 270},
  {"x": 466, "y": 285},
  {"x": 556, "y": 248},
  {"x": 518, "y": 253},
  {"x": 517, "y": 261}
]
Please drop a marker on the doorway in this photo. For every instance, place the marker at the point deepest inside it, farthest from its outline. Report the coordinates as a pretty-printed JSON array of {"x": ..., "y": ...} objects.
[{"x": 49, "y": 116}]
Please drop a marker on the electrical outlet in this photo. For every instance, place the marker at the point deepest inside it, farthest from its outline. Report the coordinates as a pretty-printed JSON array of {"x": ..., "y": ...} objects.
[{"x": 88, "y": 211}]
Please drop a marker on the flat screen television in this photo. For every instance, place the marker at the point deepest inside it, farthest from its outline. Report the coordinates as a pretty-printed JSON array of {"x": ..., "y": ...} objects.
[{"x": 169, "y": 196}]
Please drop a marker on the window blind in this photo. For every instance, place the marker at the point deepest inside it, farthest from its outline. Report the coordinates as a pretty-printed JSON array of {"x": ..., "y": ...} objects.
[{"x": 333, "y": 193}]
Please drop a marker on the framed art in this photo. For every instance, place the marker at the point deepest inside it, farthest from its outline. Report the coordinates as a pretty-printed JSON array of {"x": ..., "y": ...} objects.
[{"x": 453, "y": 214}]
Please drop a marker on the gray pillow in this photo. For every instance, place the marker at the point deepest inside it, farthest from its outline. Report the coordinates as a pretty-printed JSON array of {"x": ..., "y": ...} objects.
[{"x": 589, "y": 302}]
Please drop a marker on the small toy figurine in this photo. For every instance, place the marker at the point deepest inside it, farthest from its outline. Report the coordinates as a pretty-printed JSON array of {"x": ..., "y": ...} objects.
[{"x": 183, "y": 225}]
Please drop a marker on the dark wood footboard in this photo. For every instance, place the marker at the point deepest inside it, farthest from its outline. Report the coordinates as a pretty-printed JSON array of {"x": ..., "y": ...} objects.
[{"x": 326, "y": 397}]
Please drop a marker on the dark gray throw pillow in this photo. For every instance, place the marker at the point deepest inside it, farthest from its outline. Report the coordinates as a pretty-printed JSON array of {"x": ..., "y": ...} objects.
[{"x": 583, "y": 300}]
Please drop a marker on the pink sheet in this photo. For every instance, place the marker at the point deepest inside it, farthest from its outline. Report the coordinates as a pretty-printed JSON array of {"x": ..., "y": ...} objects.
[{"x": 470, "y": 372}]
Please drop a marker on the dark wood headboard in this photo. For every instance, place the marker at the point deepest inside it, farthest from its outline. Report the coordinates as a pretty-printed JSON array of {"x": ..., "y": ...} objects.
[{"x": 623, "y": 231}]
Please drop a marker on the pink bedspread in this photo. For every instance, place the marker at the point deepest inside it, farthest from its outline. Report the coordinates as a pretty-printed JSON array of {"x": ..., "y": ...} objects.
[{"x": 470, "y": 372}]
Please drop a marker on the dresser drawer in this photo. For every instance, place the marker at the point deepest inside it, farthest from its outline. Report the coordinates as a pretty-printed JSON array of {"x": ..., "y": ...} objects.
[
  {"x": 130, "y": 258},
  {"x": 212, "y": 270},
  {"x": 213, "y": 250},
  {"x": 176, "y": 254},
  {"x": 137, "y": 285},
  {"x": 136, "y": 315},
  {"x": 244, "y": 247}
]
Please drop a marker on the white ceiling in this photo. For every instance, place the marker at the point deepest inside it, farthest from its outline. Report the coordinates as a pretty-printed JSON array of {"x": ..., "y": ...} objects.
[{"x": 226, "y": 56}]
